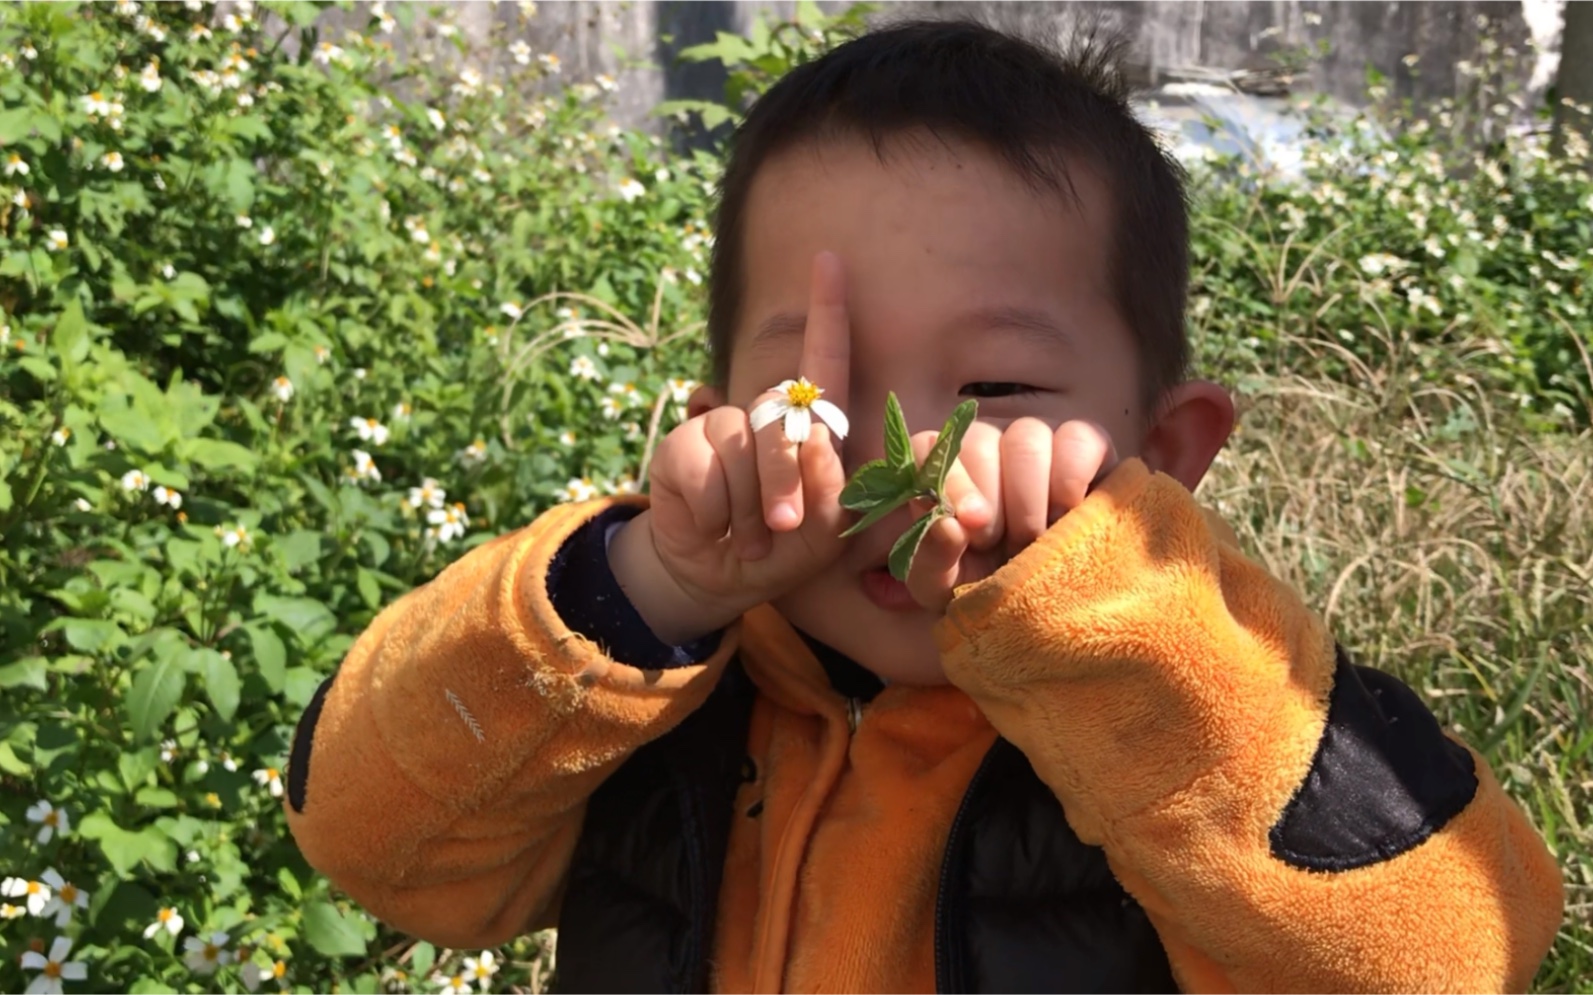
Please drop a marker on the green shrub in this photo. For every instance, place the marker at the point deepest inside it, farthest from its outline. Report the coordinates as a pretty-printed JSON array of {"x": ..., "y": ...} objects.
[{"x": 277, "y": 346}]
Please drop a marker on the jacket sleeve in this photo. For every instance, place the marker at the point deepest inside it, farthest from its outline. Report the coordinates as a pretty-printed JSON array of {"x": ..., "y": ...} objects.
[
  {"x": 441, "y": 776},
  {"x": 1288, "y": 821}
]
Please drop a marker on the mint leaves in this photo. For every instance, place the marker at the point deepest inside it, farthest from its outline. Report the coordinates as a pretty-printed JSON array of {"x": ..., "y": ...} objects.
[{"x": 880, "y": 487}]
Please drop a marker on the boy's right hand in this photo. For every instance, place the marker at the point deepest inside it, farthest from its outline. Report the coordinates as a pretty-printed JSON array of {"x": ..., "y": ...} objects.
[{"x": 738, "y": 518}]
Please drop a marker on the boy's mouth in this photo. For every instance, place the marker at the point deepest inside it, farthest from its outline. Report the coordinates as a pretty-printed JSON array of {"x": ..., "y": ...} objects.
[{"x": 886, "y": 591}]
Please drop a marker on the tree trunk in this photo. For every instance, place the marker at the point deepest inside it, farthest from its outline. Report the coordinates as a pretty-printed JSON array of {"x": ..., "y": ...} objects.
[{"x": 1574, "y": 87}]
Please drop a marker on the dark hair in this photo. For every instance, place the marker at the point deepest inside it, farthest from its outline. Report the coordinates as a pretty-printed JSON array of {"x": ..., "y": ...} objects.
[{"x": 1031, "y": 106}]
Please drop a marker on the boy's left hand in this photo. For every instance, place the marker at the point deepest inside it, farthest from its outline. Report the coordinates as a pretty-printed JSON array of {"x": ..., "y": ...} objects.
[{"x": 1007, "y": 487}]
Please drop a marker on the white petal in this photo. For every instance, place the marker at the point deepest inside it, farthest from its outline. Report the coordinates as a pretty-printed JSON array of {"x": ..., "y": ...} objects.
[
  {"x": 193, "y": 943},
  {"x": 798, "y": 424},
  {"x": 53, "y": 878},
  {"x": 64, "y": 916},
  {"x": 174, "y": 925},
  {"x": 769, "y": 412},
  {"x": 32, "y": 960},
  {"x": 75, "y": 971},
  {"x": 60, "y": 948},
  {"x": 832, "y": 416},
  {"x": 45, "y": 834},
  {"x": 38, "y": 811},
  {"x": 62, "y": 822},
  {"x": 44, "y": 985},
  {"x": 152, "y": 929}
]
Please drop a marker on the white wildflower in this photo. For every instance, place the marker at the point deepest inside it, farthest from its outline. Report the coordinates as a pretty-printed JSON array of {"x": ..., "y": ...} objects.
[
  {"x": 511, "y": 310},
  {"x": 630, "y": 189},
  {"x": 53, "y": 969},
  {"x": 369, "y": 430},
  {"x": 327, "y": 53},
  {"x": 550, "y": 62},
  {"x": 134, "y": 480},
  {"x": 428, "y": 494},
  {"x": 521, "y": 52},
  {"x": 474, "y": 454},
  {"x": 566, "y": 438},
  {"x": 578, "y": 489},
  {"x": 269, "y": 778},
  {"x": 481, "y": 969},
  {"x": 168, "y": 497},
  {"x": 251, "y": 974},
  {"x": 797, "y": 403},
  {"x": 15, "y": 166},
  {"x": 56, "y": 241},
  {"x": 236, "y": 537},
  {"x": 436, "y": 118},
  {"x": 448, "y": 523},
  {"x": 680, "y": 390},
  {"x": 364, "y": 470},
  {"x": 267, "y": 235},
  {"x": 61, "y": 435},
  {"x": 67, "y": 899},
  {"x": 612, "y": 408},
  {"x": 583, "y": 367},
  {"x": 206, "y": 954},
  {"x": 35, "y": 893},
  {"x": 402, "y": 411},
  {"x": 606, "y": 83},
  {"x": 282, "y": 387},
  {"x": 149, "y": 78}
]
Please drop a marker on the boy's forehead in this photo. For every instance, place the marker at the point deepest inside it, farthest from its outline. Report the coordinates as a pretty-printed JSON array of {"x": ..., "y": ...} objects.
[{"x": 926, "y": 225}]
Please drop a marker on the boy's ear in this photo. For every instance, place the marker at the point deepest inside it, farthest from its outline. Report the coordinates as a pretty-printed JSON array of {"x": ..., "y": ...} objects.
[
  {"x": 1193, "y": 422},
  {"x": 704, "y": 399}
]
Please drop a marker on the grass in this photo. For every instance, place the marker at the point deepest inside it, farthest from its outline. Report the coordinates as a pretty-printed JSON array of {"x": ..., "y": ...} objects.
[{"x": 1443, "y": 543}]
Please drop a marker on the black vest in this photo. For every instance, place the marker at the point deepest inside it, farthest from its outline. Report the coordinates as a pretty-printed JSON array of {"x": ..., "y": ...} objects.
[{"x": 1023, "y": 906}]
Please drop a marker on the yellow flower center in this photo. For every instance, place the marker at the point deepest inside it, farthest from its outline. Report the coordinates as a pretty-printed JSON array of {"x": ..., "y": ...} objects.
[
  {"x": 272, "y": 774},
  {"x": 35, "y": 888},
  {"x": 212, "y": 951},
  {"x": 802, "y": 394},
  {"x": 52, "y": 969},
  {"x": 52, "y": 819},
  {"x": 68, "y": 893},
  {"x": 166, "y": 914},
  {"x": 279, "y": 969}
]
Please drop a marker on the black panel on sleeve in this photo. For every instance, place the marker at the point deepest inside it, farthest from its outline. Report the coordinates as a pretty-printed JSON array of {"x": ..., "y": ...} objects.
[
  {"x": 1384, "y": 779},
  {"x": 590, "y": 601},
  {"x": 303, "y": 740}
]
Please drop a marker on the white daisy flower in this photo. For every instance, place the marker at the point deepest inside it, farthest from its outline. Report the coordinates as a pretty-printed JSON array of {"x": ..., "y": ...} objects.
[
  {"x": 149, "y": 78},
  {"x": 448, "y": 523},
  {"x": 630, "y": 189},
  {"x": 370, "y": 430},
  {"x": 566, "y": 438},
  {"x": 402, "y": 411},
  {"x": 680, "y": 390},
  {"x": 481, "y": 969},
  {"x": 267, "y": 235},
  {"x": 798, "y": 403},
  {"x": 252, "y": 974},
  {"x": 693, "y": 277},
  {"x": 606, "y": 83},
  {"x": 68, "y": 898},
  {"x": 626, "y": 484},
  {"x": 322, "y": 354},
  {"x": 662, "y": 175},
  {"x": 583, "y": 367},
  {"x": 271, "y": 779},
  {"x": 578, "y": 489},
  {"x": 167, "y": 496},
  {"x": 15, "y": 166},
  {"x": 61, "y": 435},
  {"x": 428, "y": 494},
  {"x": 550, "y": 62},
  {"x": 511, "y": 309},
  {"x": 113, "y": 161},
  {"x": 627, "y": 392},
  {"x": 168, "y": 751},
  {"x": 53, "y": 969},
  {"x": 364, "y": 470},
  {"x": 612, "y": 408},
  {"x": 133, "y": 480},
  {"x": 236, "y": 537},
  {"x": 633, "y": 432},
  {"x": 82, "y": 504},
  {"x": 167, "y": 919},
  {"x": 9, "y": 911},
  {"x": 95, "y": 105},
  {"x": 56, "y": 241},
  {"x": 327, "y": 53},
  {"x": 454, "y": 984},
  {"x": 35, "y": 893},
  {"x": 474, "y": 454},
  {"x": 206, "y": 954},
  {"x": 282, "y": 387},
  {"x": 521, "y": 52},
  {"x": 436, "y": 118}
]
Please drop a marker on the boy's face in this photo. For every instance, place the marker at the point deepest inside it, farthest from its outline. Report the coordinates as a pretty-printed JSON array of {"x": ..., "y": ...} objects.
[{"x": 961, "y": 282}]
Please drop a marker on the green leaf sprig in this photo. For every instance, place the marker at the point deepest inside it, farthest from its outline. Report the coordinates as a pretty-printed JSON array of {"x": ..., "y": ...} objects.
[{"x": 883, "y": 485}]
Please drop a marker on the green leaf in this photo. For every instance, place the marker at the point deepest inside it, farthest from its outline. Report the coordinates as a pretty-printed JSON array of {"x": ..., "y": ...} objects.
[
  {"x": 218, "y": 454},
  {"x": 126, "y": 849},
  {"x": 898, "y": 442},
  {"x": 877, "y": 483},
  {"x": 331, "y": 933},
  {"x": 306, "y": 618},
  {"x": 423, "y": 958},
  {"x": 270, "y": 656},
  {"x": 25, "y": 673},
  {"x": 907, "y": 546},
  {"x": 368, "y": 588},
  {"x": 938, "y": 463},
  {"x": 70, "y": 338},
  {"x": 220, "y": 679},
  {"x": 154, "y": 695}
]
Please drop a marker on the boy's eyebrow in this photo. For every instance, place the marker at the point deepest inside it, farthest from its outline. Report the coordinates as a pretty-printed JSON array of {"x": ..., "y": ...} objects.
[{"x": 1027, "y": 323}]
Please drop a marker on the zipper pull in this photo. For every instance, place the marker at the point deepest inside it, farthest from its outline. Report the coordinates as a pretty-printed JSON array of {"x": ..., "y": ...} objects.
[{"x": 854, "y": 713}]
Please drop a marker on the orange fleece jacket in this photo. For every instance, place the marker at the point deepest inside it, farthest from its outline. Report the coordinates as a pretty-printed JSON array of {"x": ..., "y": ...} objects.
[{"x": 1168, "y": 690}]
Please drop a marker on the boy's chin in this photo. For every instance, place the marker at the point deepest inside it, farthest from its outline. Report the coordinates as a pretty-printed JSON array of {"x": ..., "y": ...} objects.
[{"x": 898, "y": 647}]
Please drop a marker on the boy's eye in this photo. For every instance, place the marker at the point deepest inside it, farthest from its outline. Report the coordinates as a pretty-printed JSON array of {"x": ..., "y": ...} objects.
[{"x": 996, "y": 388}]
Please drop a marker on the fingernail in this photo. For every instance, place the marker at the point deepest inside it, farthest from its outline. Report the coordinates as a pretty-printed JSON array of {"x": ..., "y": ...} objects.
[{"x": 782, "y": 516}]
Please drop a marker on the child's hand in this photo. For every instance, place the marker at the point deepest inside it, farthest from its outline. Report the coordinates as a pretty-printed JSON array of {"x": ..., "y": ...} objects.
[
  {"x": 1007, "y": 487},
  {"x": 739, "y": 518}
]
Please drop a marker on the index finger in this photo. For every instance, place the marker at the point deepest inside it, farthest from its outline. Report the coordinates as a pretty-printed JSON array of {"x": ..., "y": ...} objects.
[{"x": 827, "y": 337}]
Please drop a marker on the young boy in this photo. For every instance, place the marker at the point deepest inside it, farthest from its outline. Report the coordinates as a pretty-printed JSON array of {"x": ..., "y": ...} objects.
[{"x": 1087, "y": 746}]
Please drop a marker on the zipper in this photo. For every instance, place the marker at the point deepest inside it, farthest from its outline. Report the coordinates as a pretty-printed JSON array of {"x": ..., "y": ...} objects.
[{"x": 951, "y": 863}]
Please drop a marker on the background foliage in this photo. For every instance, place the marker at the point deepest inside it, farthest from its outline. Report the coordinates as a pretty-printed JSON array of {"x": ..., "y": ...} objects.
[{"x": 276, "y": 344}]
